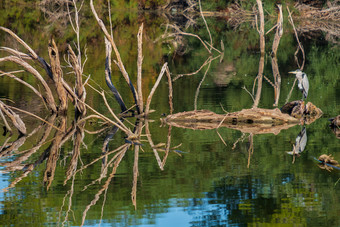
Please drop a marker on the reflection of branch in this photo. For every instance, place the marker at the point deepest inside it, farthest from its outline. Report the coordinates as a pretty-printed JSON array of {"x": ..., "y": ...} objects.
[
  {"x": 53, "y": 155},
  {"x": 135, "y": 177},
  {"x": 238, "y": 140},
  {"x": 78, "y": 139},
  {"x": 168, "y": 144},
  {"x": 15, "y": 118},
  {"x": 170, "y": 89},
  {"x": 251, "y": 148},
  {"x": 148, "y": 135},
  {"x": 199, "y": 86},
  {"x": 24, "y": 155},
  {"x": 197, "y": 71},
  {"x": 139, "y": 128},
  {"x": 106, "y": 185},
  {"x": 69, "y": 202},
  {"x": 33, "y": 115}
]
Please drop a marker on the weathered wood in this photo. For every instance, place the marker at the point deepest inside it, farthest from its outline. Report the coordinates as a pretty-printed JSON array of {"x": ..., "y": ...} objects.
[
  {"x": 256, "y": 120},
  {"x": 53, "y": 153},
  {"x": 79, "y": 88},
  {"x": 57, "y": 75}
]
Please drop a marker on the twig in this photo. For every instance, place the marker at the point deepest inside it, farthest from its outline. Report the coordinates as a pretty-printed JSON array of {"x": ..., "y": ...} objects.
[
  {"x": 291, "y": 90},
  {"x": 251, "y": 95},
  {"x": 212, "y": 47},
  {"x": 290, "y": 19},
  {"x": 148, "y": 135},
  {"x": 188, "y": 34},
  {"x": 6, "y": 123},
  {"x": 219, "y": 135},
  {"x": 33, "y": 115},
  {"x": 206, "y": 25},
  {"x": 122, "y": 126},
  {"x": 34, "y": 55}
]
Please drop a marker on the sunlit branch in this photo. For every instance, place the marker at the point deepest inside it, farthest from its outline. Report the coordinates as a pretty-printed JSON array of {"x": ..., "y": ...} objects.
[
  {"x": 139, "y": 68},
  {"x": 300, "y": 47},
  {"x": 148, "y": 101}
]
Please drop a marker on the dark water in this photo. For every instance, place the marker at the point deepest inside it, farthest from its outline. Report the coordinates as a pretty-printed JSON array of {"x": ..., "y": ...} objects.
[{"x": 202, "y": 182}]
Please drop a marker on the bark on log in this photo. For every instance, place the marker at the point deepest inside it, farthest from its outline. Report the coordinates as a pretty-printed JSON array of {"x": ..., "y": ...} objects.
[
  {"x": 256, "y": 120},
  {"x": 57, "y": 74}
]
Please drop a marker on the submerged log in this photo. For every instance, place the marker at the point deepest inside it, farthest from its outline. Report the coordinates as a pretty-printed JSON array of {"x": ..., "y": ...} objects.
[{"x": 256, "y": 120}]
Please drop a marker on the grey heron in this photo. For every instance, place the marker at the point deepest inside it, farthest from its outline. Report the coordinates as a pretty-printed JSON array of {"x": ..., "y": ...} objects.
[
  {"x": 303, "y": 83},
  {"x": 300, "y": 143}
]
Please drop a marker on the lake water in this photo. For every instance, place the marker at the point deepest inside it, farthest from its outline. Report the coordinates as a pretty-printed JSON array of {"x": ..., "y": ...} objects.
[{"x": 244, "y": 180}]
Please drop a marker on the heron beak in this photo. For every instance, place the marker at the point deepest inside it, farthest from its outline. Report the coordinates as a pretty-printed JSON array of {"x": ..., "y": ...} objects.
[{"x": 294, "y": 72}]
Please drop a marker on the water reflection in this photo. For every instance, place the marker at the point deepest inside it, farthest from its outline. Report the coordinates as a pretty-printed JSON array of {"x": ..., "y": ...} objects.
[
  {"x": 127, "y": 180},
  {"x": 300, "y": 144}
]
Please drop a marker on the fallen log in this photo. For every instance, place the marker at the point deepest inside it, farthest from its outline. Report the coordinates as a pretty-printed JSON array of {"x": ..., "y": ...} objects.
[{"x": 255, "y": 120}]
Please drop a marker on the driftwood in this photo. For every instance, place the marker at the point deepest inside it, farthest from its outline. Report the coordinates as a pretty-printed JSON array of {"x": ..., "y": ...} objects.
[{"x": 256, "y": 120}]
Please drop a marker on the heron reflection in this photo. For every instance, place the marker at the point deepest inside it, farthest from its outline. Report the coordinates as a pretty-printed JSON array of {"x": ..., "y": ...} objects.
[
  {"x": 303, "y": 82},
  {"x": 300, "y": 143}
]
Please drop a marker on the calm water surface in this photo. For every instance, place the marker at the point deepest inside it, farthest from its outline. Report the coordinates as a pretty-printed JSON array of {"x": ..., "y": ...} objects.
[{"x": 203, "y": 182}]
